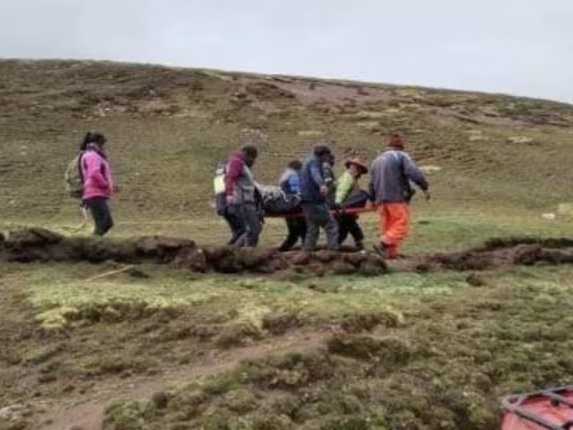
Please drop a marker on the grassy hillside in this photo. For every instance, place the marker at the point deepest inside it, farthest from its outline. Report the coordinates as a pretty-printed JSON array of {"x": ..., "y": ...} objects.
[
  {"x": 169, "y": 127},
  {"x": 154, "y": 345}
]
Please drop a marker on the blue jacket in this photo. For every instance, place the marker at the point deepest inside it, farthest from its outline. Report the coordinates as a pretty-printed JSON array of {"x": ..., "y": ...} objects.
[
  {"x": 311, "y": 179},
  {"x": 290, "y": 182}
]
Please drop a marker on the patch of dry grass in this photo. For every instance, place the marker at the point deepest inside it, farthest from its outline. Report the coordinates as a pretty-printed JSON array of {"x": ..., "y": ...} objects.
[{"x": 445, "y": 367}]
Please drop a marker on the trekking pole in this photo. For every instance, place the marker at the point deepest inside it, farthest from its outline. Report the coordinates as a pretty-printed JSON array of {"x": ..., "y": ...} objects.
[
  {"x": 109, "y": 273},
  {"x": 85, "y": 215},
  {"x": 84, "y": 212}
]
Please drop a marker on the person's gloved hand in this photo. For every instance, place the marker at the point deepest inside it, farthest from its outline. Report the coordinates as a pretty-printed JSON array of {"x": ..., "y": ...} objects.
[
  {"x": 230, "y": 209},
  {"x": 410, "y": 193},
  {"x": 337, "y": 208}
]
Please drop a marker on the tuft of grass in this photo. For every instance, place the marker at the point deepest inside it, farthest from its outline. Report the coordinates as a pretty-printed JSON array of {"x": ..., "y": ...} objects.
[{"x": 59, "y": 299}]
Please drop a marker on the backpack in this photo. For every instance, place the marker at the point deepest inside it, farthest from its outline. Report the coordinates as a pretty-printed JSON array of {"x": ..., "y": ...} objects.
[
  {"x": 74, "y": 179},
  {"x": 219, "y": 179},
  {"x": 219, "y": 188}
]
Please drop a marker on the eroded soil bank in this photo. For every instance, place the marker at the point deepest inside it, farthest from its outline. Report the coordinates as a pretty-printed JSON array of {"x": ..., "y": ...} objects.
[{"x": 38, "y": 245}]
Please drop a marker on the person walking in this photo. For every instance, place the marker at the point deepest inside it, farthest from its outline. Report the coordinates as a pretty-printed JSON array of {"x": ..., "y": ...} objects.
[
  {"x": 97, "y": 182},
  {"x": 241, "y": 194},
  {"x": 290, "y": 184},
  {"x": 391, "y": 173},
  {"x": 349, "y": 195},
  {"x": 314, "y": 193},
  {"x": 221, "y": 207}
]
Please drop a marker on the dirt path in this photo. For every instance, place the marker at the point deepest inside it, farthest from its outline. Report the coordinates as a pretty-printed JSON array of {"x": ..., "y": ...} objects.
[{"x": 86, "y": 412}]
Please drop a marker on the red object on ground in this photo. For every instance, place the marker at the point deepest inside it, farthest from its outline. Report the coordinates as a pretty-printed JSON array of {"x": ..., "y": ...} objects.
[{"x": 544, "y": 410}]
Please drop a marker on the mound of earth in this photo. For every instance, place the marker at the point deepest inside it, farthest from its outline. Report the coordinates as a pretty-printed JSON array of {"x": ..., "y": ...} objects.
[
  {"x": 499, "y": 253},
  {"x": 39, "y": 245}
]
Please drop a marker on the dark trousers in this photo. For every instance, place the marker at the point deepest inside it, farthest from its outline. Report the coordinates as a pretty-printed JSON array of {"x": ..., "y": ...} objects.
[
  {"x": 348, "y": 224},
  {"x": 99, "y": 208},
  {"x": 235, "y": 225},
  {"x": 317, "y": 216},
  {"x": 250, "y": 222},
  {"x": 296, "y": 227}
]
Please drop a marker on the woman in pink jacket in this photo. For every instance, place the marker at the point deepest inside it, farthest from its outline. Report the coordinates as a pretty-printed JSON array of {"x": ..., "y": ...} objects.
[{"x": 97, "y": 182}]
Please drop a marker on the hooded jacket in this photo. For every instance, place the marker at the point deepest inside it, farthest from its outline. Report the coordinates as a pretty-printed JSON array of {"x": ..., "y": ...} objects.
[
  {"x": 239, "y": 181},
  {"x": 290, "y": 181},
  {"x": 96, "y": 173},
  {"x": 312, "y": 178},
  {"x": 390, "y": 175}
]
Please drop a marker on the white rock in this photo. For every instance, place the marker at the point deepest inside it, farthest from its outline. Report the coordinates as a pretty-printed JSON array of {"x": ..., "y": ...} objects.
[
  {"x": 549, "y": 216},
  {"x": 520, "y": 139}
]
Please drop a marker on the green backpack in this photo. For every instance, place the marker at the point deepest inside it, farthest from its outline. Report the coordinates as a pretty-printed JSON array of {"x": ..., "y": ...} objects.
[{"x": 73, "y": 178}]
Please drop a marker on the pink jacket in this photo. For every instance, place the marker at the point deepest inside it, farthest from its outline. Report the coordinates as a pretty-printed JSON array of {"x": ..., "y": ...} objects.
[{"x": 97, "y": 175}]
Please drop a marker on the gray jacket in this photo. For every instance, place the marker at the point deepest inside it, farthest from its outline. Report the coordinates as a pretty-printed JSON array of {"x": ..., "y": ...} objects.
[{"x": 390, "y": 177}]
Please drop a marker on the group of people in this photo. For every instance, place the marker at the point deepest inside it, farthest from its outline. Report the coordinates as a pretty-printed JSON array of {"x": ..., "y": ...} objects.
[
  {"x": 325, "y": 202},
  {"x": 322, "y": 200}
]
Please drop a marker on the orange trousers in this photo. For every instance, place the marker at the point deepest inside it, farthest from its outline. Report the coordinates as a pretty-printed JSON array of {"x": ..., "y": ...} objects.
[{"x": 394, "y": 224}]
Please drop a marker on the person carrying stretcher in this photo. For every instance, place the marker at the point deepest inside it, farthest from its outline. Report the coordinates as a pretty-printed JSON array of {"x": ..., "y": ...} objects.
[
  {"x": 296, "y": 225},
  {"x": 349, "y": 195}
]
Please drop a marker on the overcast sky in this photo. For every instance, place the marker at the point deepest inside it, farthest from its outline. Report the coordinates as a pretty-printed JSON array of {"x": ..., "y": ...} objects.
[{"x": 523, "y": 47}]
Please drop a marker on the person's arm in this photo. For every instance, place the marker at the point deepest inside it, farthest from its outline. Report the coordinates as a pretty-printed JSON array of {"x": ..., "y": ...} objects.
[
  {"x": 94, "y": 169},
  {"x": 109, "y": 177},
  {"x": 234, "y": 170},
  {"x": 372, "y": 183},
  {"x": 343, "y": 188},
  {"x": 316, "y": 174},
  {"x": 414, "y": 174}
]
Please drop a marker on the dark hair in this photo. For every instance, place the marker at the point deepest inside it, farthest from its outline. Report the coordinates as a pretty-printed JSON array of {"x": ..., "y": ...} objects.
[
  {"x": 330, "y": 159},
  {"x": 295, "y": 164},
  {"x": 250, "y": 151},
  {"x": 321, "y": 150},
  {"x": 92, "y": 137}
]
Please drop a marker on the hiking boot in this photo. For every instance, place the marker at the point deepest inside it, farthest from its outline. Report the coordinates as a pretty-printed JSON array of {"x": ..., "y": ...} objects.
[
  {"x": 380, "y": 249},
  {"x": 359, "y": 246}
]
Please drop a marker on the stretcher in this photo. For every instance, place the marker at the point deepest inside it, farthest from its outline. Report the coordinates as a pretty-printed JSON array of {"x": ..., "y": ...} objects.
[
  {"x": 348, "y": 211},
  {"x": 543, "y": 410}
]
